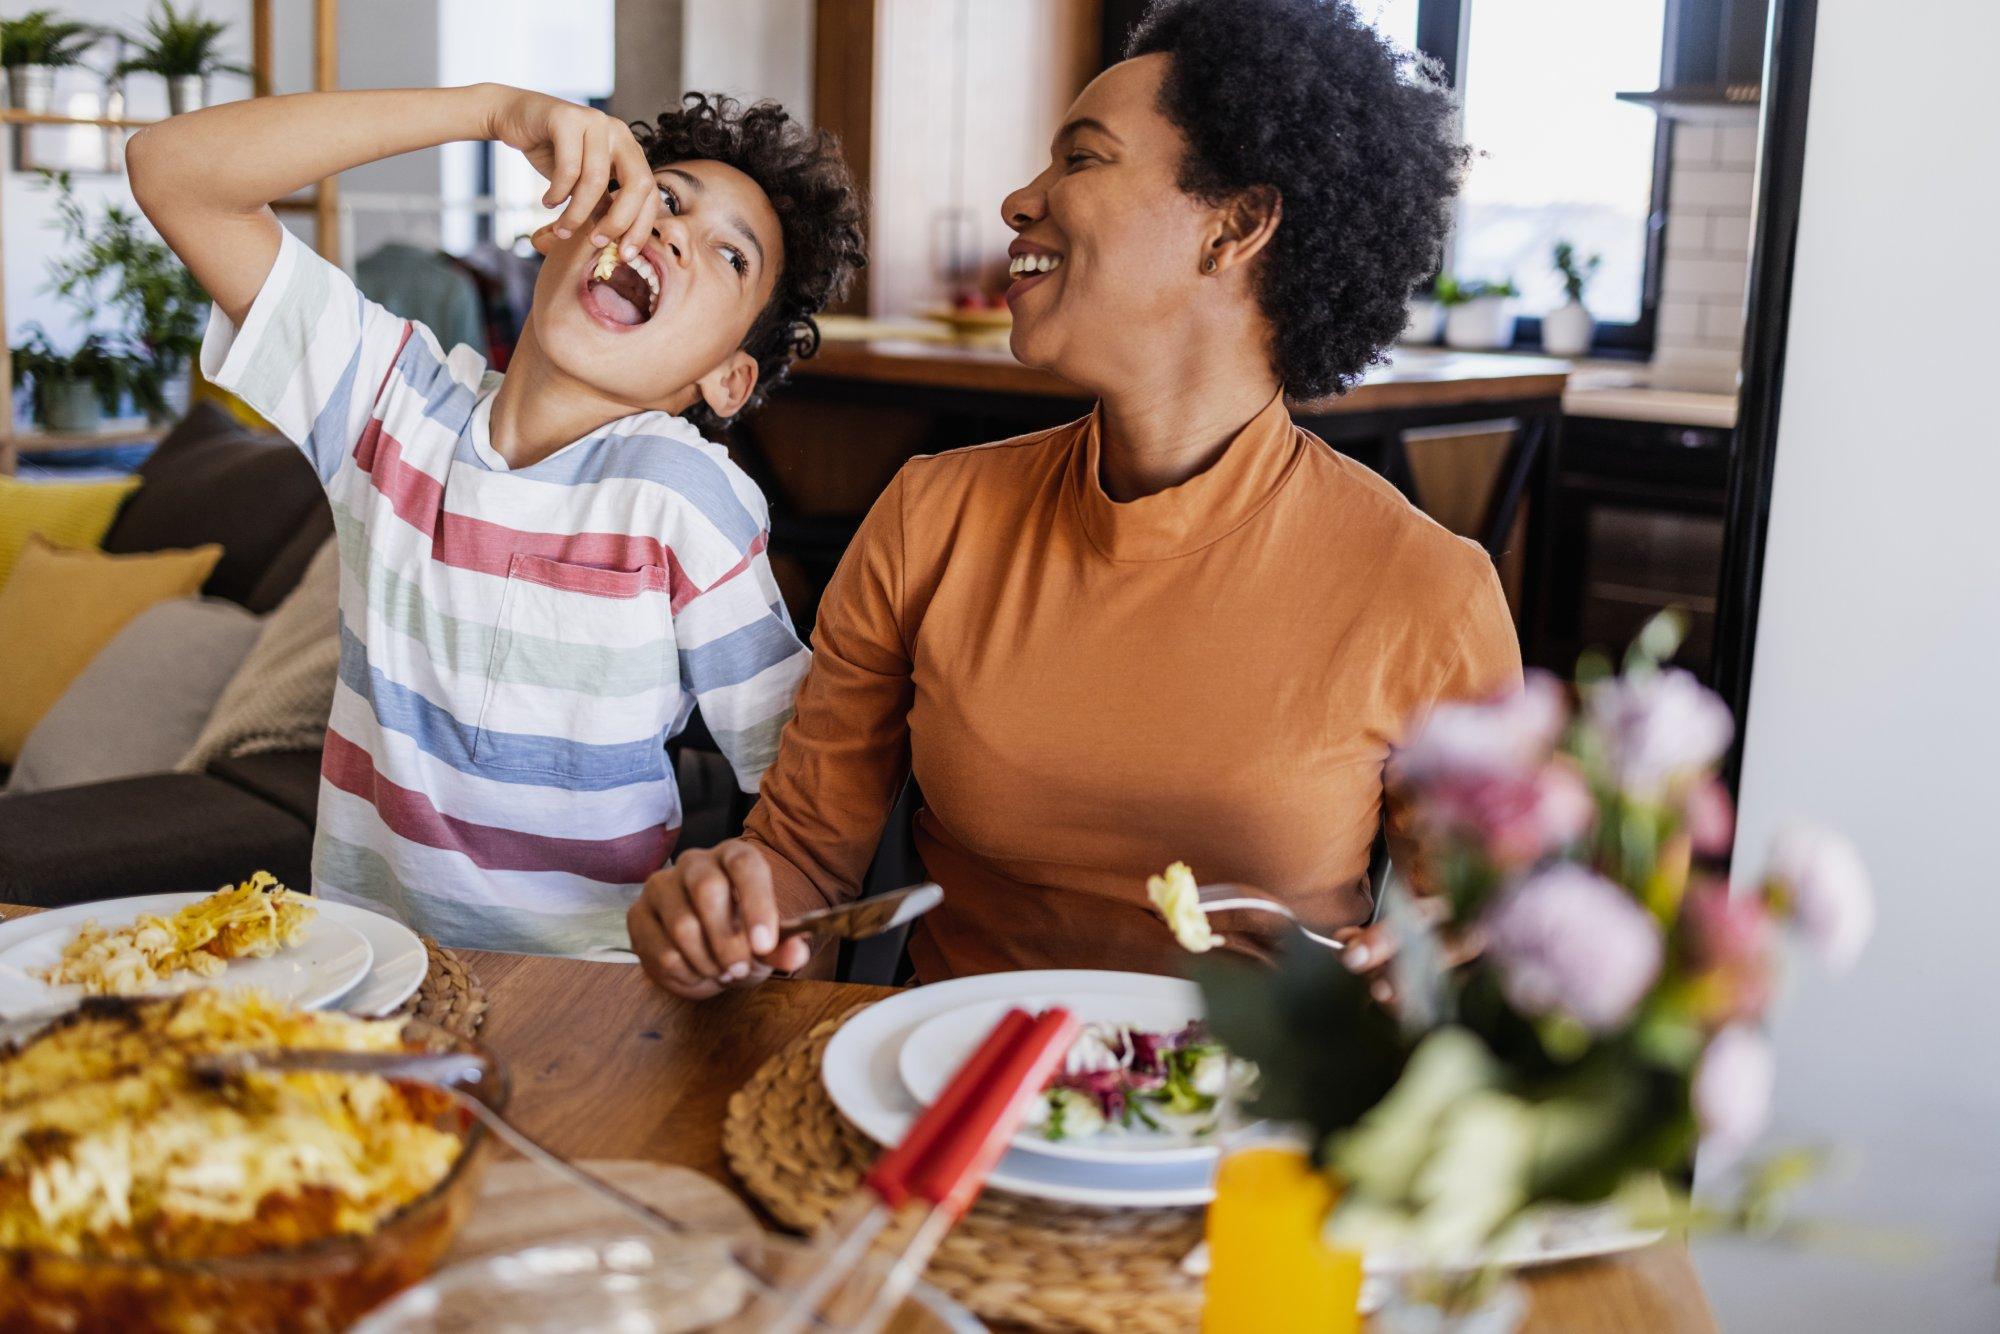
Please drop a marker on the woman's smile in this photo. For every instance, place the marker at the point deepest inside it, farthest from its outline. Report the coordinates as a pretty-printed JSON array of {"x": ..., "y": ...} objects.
[{"x": 1028, "y": 264}]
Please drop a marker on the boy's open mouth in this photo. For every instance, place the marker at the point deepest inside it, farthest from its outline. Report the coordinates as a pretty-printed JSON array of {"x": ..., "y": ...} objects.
[{"x": 621, "y": 293}]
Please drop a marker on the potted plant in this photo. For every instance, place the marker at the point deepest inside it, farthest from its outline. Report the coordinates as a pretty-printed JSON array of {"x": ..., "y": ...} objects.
[
  {"x": 1424, "y": 316},
  {"x": 33, "y": 47},
  {"x": 118, "y": 264},
  {"x": 185, "y": 50},
  {"x": 71, "y": 391},
  {"x": 1476, "y": 314},
  {"x": 1566, "y": 330}
]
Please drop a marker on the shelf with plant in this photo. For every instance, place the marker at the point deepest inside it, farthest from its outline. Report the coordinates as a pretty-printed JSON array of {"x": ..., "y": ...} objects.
[
  {"x": 116, "y": 264},
  {"x": 71, "y": 392},
  {"x": 36, "y": 45},
  {"x": 185, "y": 49}
]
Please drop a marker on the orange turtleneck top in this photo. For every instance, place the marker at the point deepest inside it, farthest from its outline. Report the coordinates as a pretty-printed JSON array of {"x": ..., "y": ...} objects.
[{"x": 1087, "y": 690}]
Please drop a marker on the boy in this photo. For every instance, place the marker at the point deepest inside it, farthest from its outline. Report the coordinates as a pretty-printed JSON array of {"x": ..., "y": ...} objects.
[{"x": 541, "y": 575}]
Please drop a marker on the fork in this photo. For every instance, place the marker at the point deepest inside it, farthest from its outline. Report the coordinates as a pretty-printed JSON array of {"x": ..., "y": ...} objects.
[{"x": 1242, "y": 898}]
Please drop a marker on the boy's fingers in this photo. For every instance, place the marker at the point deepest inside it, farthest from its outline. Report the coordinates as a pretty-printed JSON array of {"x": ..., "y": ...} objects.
[
  {"x": 630, "y": 221},
  {"x": 755, "y": 903},
  {"x": 544, "y": 238},
  {"x": 714, "y": 901},
  {"x": 568, "y": 151},
  {"x": 592, "y": 180}
]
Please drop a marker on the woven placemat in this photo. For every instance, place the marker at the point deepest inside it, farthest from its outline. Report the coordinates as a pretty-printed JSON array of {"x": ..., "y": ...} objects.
[
  {"x": 1026, "y": 1262},
  {"x": 449, "y": 996}
]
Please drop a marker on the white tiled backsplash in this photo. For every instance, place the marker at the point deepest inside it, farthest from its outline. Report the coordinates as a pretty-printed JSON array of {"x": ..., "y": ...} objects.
[{"x": 1699, "y": 341}]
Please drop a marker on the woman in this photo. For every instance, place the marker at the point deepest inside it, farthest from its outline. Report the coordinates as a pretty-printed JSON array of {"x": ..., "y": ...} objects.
[{"x": 1180, "y": 628}]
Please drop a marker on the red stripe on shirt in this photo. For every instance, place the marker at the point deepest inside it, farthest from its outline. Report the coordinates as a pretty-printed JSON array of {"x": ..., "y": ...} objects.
[
  {"x": 627, "y": 859},
  {"x": 467, "y": 543}
]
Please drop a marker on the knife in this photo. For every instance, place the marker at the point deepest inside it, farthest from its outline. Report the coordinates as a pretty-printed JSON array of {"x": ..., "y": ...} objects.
[{"x": 866, "y": 917}]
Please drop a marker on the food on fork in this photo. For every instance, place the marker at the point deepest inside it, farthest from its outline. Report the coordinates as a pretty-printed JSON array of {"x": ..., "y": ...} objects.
[
  {"x": 607, "y": 262},
  {"x": 1179, "y": 901},
  {"x": 111, "y": 1146},
  {"x": 252, "y": 920},
  {"x": 1123, "y": 1077}
]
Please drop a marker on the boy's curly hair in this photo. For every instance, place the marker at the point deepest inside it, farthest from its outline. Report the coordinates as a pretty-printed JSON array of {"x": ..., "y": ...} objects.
[
  {"x": 803, "y": 174},
  {"x": 1359, "y": 140}
]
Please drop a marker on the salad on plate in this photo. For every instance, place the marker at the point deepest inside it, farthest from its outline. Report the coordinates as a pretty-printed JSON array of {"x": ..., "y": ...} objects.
[{"x": 1121, "y": 1077}]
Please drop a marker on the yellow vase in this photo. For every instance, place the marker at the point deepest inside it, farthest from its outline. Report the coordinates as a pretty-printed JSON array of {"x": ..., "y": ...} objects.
[{"x": 1268, "y": 1270}]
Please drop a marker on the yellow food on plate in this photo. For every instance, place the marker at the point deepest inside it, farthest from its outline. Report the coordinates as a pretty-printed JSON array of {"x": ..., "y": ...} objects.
[
  {"x": 110, "y": 1146},
  {"x": 252, "y": 920},
  {"x": 1179, "y": 901}
]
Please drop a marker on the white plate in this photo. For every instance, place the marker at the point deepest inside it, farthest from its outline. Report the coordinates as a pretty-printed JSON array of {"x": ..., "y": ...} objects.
[
  {"x": 400, "y": 959},
  {"x": 937, "y": 1047},
  {"x": 319, "y": 970},
  {"x": 1555, "y": 1235},
  {"x": 861, "y": 1077},
  {"x": 398, "y": 970}
]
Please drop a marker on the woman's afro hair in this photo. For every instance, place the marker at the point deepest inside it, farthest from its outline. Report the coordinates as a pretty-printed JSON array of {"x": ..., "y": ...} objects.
[
  {"x": 803, "y": 174},
  {"x": 1358, "y": 138}
]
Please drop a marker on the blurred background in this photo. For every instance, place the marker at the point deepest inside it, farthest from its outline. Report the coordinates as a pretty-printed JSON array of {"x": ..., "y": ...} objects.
[{"x": 1585, "y": 441}]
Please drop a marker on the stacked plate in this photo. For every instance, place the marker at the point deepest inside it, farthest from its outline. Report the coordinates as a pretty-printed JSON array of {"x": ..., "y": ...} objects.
[
  {"x": 890, "y": 1060},
  {"x": 363, "y": 962}
]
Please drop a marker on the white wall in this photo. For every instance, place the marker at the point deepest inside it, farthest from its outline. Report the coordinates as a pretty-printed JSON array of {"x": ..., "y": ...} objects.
[
  {"x": 750, "y": 49},
  {"x": 1698, "y": 341},
  {"x": 1874, "y": 703}
]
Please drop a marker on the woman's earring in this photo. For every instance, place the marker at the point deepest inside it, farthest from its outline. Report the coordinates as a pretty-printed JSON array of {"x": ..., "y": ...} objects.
[{"x": 1208, "y": 265}]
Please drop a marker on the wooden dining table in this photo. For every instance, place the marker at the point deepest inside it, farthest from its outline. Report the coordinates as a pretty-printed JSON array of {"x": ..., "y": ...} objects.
[{"x": 606, "y": 1066}]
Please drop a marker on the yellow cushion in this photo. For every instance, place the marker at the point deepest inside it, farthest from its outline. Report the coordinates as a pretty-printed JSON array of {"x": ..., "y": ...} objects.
[
  {"x": 59, "y": 607},
  {"x": 69, "y": 514}
]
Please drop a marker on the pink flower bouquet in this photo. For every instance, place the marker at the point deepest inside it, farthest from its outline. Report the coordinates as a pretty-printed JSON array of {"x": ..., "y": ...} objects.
[{"x": 1613, "y": 1018}]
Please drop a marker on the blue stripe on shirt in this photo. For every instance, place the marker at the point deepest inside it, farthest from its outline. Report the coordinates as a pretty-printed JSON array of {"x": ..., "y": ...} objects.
[
  {"x": 660, "y": 459},
  {"x": 508, "y": 757},
  {"x": 737, "y": 656}
]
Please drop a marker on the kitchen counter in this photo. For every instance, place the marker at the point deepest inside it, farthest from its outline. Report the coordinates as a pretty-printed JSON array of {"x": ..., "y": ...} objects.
[
  {"x": 1416, "y": 378},
  {"x": 1627, "y": 392}
]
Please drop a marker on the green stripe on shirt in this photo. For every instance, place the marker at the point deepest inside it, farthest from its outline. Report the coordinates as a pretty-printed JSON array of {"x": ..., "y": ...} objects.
[
  {"x": 275, "y": 358},
  {"x": 466, "y": 647}
]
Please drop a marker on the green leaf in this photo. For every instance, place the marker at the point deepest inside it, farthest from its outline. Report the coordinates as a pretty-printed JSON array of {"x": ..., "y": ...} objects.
[{"x": 1325, "y": 1051}]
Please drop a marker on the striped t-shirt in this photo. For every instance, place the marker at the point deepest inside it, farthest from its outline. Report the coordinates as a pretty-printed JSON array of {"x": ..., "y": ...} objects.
[{"x": 516, "y": 644}]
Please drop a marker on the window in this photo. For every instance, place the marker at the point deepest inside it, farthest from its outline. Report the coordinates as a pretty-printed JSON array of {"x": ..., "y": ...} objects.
[{"x": 1558, "y": 156}]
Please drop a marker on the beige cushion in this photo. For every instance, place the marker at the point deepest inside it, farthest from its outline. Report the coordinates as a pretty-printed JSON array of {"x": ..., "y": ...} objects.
[
  {"x": 280, "y": 697},
  {"x": 142, "y": 700}
]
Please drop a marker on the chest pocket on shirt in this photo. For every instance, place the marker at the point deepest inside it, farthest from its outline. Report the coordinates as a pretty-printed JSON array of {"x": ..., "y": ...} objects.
[{"x": 582, "y": 675}]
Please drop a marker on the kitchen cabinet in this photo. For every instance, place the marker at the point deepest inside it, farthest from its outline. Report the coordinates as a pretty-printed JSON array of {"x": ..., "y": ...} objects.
[{"x": 1637, "y": 527}]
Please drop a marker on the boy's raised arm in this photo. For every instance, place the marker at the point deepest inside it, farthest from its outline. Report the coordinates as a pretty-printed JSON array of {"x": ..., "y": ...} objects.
[{"x": 207, "y": 179}]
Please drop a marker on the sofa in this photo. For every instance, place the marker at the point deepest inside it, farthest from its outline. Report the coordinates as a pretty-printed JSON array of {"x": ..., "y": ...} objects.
[
  {"x": 209, "y": 480},
  {"x": 213, "y": 480}
]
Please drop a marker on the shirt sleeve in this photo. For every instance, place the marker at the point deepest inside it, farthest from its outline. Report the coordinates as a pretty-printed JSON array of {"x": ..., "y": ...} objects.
[
  {"x": 1484, "y": 661},
  {"x": 846, "y": 752},
  {"x": 312, "y": 355},
  {"x": 742, "y": 661}
]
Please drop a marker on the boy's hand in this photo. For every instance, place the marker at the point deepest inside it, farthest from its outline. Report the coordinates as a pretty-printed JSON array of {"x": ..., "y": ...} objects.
[
  {"x": 709, "y": 921},
  {"x": 583, "y": 153}
]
